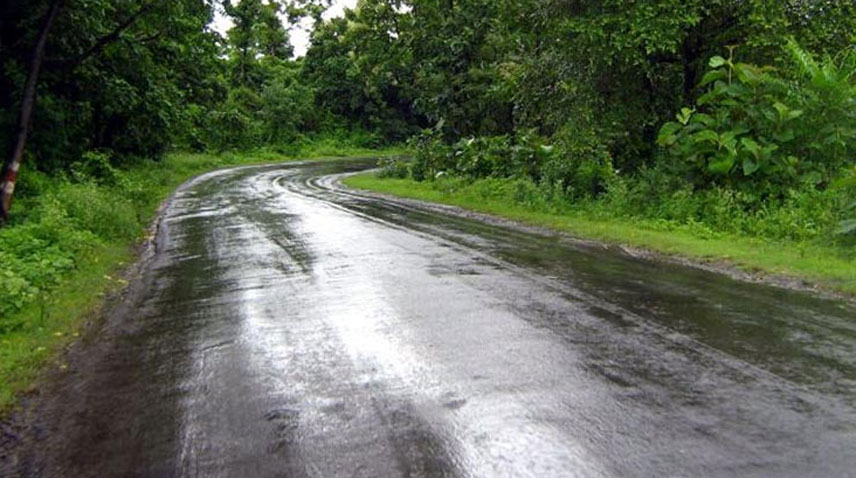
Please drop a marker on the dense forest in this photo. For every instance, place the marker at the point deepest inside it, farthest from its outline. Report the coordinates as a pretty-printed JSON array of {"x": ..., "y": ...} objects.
[{"x": 726, "y": 115}]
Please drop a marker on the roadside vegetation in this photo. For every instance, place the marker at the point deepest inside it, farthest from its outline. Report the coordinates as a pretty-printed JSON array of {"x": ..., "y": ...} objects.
[
  {"x": 715, "y": 129},
  {"x": 76, "y": 234},
  {"x": 818, "y": 262},
  {"x": 759, "y": 172}
]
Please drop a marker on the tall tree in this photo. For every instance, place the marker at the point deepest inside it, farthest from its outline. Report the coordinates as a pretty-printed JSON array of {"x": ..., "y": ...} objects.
[
  {"x": 257, "y": 33},
  {"x": 76, "y": 74},
  {"x": 28, "y": 99}
]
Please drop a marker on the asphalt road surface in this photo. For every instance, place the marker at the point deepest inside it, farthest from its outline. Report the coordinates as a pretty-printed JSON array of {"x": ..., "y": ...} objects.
[{"x": 287, "y": 327}]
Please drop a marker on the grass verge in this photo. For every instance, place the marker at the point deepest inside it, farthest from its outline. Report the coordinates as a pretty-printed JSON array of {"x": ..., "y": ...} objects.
[
  {"x": 829, "y": 266},
  {"x": 55, "y": 319},
  {"x": 107, "y": 222}
]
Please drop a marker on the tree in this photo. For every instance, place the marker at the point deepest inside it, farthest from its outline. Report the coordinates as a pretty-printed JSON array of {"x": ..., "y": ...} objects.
[
  {"x": 28, "y": 99},
  {"x": 112, "y": 85},
  {"x": 257, "y": 33}
]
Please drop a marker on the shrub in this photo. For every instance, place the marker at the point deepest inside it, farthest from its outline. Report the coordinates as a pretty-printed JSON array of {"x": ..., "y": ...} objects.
[
  {"x": 578, "y": 167},
  {"x": 582, "y": 166},
  {"x": 94, "y": 166},
  {"x": 394, "y": 168},
  {"x": 846, "y": 185},
  {"x": 232, "y": 125},
  {"x": 286, "y": 108},
  {"x": 34, "y": 255},
  {"x": 764, "y": 132},
  {"x": 432, "y": 156}
]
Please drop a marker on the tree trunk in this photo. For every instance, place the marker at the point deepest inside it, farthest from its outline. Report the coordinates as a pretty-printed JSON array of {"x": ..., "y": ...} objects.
[
  {"x": 691, "y": 51},
  {"x": 28, "y": 101}
]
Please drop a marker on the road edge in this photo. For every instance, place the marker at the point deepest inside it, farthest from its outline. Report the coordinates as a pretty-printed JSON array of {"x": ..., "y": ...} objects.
[
  {"x": 19, "y": 416},
  {"x": 717, "y": 266}
]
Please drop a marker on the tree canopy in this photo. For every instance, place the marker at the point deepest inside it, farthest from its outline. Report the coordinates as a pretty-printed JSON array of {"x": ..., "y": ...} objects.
[{"x": 600, "y": 79}]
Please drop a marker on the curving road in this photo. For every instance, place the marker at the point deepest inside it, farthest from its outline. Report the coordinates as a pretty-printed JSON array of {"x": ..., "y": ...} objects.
[{"x": 288, "y": 327}]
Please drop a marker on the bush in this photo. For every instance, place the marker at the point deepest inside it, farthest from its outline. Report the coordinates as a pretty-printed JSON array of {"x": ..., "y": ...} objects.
[
  {"x": 394, "y": 168},
  {"x": 846, "y": 186},
  {"x": 287, "y": 107},
  {"x": 578, "y": 167},
  {"x": 34, "y": 255},
  {"x": 432, "y": 156},
  {"x": 763, "y": 132},
  {"x": 582, "y": 167},
  {"x": 65, "y": 221},
  {"x": 763, "y": 150},
  {"x": 232, "y": 125},
  {"x": 94, "y": 166},
  {"x": 799, "y": 213}
]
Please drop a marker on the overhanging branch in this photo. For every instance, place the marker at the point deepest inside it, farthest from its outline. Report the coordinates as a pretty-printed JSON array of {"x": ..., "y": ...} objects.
[{"x": 96, "y": 48}]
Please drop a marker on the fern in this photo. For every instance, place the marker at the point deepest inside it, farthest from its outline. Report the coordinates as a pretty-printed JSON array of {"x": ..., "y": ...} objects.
[
  {"x": 804, "y": 60},
  {"x": 833, "y": 76}
]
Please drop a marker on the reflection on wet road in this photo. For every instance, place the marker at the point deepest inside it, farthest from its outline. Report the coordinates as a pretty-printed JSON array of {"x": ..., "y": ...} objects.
[{"x": 287, "y": 327}]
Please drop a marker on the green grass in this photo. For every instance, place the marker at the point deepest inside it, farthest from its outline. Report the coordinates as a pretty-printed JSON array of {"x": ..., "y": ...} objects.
[
  {"x": 55, "y": 319},
  {"x": 55, "y": 316},
  {"x": 829, "y": 266}
]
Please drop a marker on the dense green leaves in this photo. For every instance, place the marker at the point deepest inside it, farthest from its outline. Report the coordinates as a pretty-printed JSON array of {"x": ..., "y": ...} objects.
[
  {"x": 758, "y": 128},
  {"x": 118, "y": 75},
  {"x": 574, "y": 95}
]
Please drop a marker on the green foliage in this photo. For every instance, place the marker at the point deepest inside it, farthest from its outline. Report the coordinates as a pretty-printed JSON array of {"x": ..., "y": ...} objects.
[
  {"x": 94, "y": 166},
  {"x": 232, "y": 125},
  {"x": 741, "y": 129},
  {"x": 571, "y": 96},
  {"x": 847, "y": 188},
  {"x": 432, "y": 156},
  {"x": 481, "y": 157},
  {"x": 257, "y": 34},
  {"x": 577, "y": 166},
  {"x": 582, "y": 166},
  {"x": 396, "y": 168},
  {"x": 756, "y": 156},
  {"x": 66, "y": 221},
  {"x": 765, "y": 133},
  {"x": 287, "y": 108},
  {"x": 129, "y": 97},
  {"x": 807, "y": 214},
  {"x": 35, "y": 255}
]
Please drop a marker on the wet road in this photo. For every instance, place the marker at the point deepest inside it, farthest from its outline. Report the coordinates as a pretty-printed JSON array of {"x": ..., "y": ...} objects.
[{"x": 287, "y": 327}]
